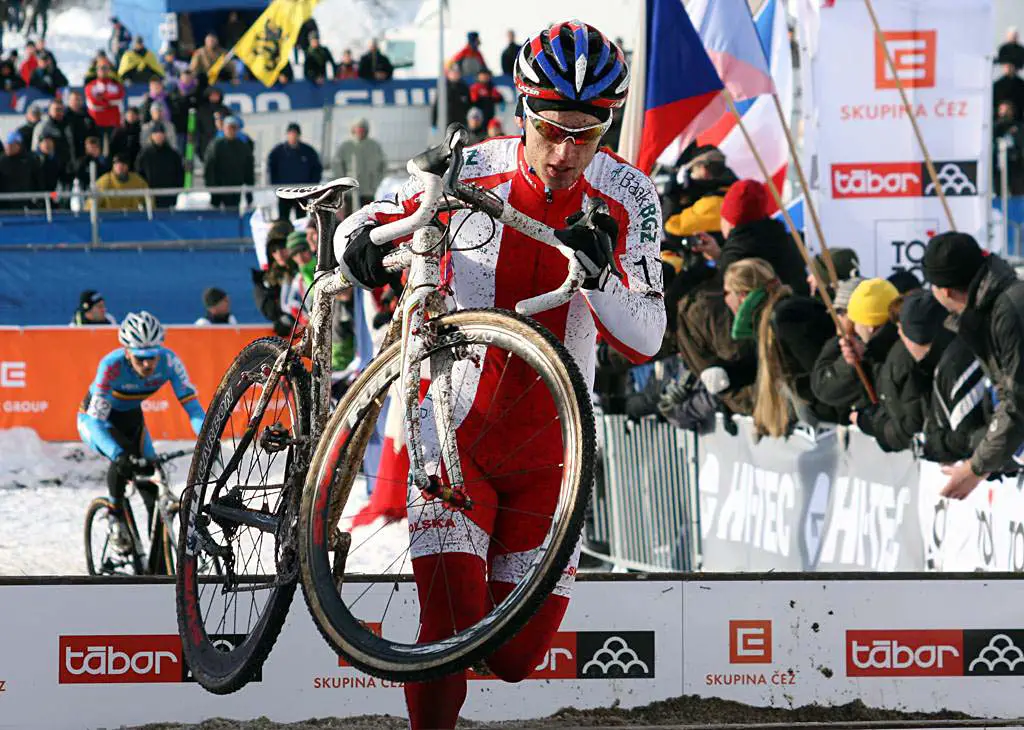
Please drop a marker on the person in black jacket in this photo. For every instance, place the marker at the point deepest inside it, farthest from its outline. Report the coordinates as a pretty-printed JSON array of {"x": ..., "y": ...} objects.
[
  {"x": 293, "y": 162},
  {"x": 79, "y": 124},
  {"x": 47, "y": 77},
  {"x": 206, "y": 125},
  {"x": 905, "y": 381},
  {"x": 986, "y": 299},
  {"x": 186, "y": 93},
  {"x": 10, "y": 81},
  {"x": 93, "y": 154},
  {"x": 318, "y": 58},
  {"x": 457, "y": 98},
  {"x": 788, "y": 332},
  {"x": 267, "y": 285},
  {"x": 508, "y": 56},
  {"x": 374, "y": 65},
  {"x": 33, "y": 115},
  {"x": 960, "y": 406},
  {"x": 52, "y": 171},
  {"x": 19, "y": 172},
  {"x": 161, "y": 165},
  {"x": 1008, "y": 87},
  {"x": 751, "y": 233},
  {"x": 228, "y": 162},
  {"x": 835, "y": 380},
  {"x": 127, "y": 139}
]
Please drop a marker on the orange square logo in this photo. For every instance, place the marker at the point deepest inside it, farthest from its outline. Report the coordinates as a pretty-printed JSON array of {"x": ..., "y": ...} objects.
[
  {"x": 913, "y": 56},
  {"x": 750, "y": 642}
]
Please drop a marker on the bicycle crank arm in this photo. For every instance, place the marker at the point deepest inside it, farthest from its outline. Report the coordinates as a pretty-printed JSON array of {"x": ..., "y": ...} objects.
[{"x": 241, "y": 516}]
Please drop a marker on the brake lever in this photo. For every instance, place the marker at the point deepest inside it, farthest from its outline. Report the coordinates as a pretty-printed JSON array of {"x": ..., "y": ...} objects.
[{"x": 597, "y": 206}]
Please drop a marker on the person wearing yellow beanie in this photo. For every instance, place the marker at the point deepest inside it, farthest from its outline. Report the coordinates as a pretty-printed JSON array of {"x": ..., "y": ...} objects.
[
  {"x": 870, "y": 337},
  {"x": 869, "y": 304}
]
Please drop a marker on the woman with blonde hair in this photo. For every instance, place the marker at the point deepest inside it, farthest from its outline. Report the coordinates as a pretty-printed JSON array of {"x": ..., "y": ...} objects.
[{"x": 789, "y": 331}]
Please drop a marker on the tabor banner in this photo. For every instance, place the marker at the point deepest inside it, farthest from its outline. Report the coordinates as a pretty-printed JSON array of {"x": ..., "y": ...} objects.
[
  {"x": 46, "y": 371},
  {"x": 874, "y": 191}
]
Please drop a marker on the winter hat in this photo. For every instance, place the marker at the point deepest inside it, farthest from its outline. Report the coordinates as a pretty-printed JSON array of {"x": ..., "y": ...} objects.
[
  {"x": 746, "y": 201},
  {"x": 952, "y": 259},
  {"x": 844, "y": 259},
  {"x": 904, "y": 281},
  {"x": 232, "y": 121},
  {"x": 121, "y": 157},
  {"x": 869, "y": 304},
  {"x": 157, "y": 127},
  {"x": 294, "y": 127},
  {"x": 845, "y": 290},
  {"x": 475, "y": 113},
  {"x": 89, "y": 299},
  {"x": 14, "y": 137},
  {"x": 921, "y": 317},
  {"x": 494, "y": 124},
  {"x": 297, "y": 242},
  {"x": 212, "y": 296}
]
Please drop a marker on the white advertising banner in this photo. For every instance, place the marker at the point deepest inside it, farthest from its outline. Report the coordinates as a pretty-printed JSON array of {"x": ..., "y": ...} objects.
[
  {"x": 874, "y": 191},
  {"x": 107, "y": 655},
  {"x": 912, "y": 645}
]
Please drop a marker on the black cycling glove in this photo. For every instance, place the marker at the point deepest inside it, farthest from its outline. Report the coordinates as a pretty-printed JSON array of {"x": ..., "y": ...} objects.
[
  {"x": 129, "y": 465},
  {"x": 594, "y": 246},
  {"x": 365, "y": 260}
]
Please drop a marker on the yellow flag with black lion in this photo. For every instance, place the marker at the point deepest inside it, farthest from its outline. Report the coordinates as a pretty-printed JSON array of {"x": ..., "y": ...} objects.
[{"x": 267, "y": 45}]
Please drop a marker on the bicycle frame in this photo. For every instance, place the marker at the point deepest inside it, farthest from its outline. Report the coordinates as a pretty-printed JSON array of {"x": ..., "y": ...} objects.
[{"x": 161, "y": 513}]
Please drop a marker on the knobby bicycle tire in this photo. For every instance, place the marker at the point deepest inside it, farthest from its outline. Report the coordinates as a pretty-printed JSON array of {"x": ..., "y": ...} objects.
[
  {"x": 343, "y": 631},
  {"x": 218, "y": 671},
  {"x": 103, "y": 503}
]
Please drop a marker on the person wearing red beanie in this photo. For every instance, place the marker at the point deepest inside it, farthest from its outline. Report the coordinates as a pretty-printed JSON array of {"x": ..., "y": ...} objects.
[
  {"x": 747, "y": 201},
  {"x": 751, "y": 232}
]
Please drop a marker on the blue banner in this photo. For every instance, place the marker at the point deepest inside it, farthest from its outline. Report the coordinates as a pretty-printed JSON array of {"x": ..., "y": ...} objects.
[{"x": 254, "y": 97}]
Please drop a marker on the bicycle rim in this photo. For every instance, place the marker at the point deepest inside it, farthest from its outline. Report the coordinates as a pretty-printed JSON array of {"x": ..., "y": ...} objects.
[
  {"x": 356, "y": 620},
  {"x": 100, "y": 556},
  {"x": 231, "y": 607}
]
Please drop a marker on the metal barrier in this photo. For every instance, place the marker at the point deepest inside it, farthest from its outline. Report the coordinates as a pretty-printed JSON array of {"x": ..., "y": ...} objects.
[{"x": 645, "y": 513}]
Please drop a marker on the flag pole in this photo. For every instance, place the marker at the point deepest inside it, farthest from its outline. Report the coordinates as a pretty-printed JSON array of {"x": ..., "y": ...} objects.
[
  {"x": 822, "y": 289},
  {"x": 880, "y": 38},
  {"x": 826, "y": 253}
]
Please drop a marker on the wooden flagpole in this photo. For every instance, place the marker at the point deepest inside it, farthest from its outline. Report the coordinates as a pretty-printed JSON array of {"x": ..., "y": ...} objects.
[
  {"x": 880, "y": 38},
  {"x": 822, "y": 289},
  {"x": 826, "y": 253}
]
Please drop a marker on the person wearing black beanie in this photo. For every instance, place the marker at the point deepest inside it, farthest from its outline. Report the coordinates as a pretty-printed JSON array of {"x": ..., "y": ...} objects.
[
  {"x": 986, "y": 300},
  {"x": 218, "y": 307},
  {"x": 92, "y": 310}
]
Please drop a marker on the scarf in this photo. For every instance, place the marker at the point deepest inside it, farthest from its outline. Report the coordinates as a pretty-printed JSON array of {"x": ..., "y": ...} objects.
[{"x": 743, "y": 324}]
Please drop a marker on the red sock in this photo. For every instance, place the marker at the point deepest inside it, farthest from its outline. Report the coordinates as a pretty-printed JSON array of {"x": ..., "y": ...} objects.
[{"x": 435, "y": 705}]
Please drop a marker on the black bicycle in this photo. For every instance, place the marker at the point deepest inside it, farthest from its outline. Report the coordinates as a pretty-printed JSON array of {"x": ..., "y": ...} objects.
[{"x": 104, "y": 557}]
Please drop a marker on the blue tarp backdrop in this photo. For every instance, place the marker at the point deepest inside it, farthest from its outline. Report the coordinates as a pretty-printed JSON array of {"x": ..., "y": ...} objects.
[
  {"x": 42, "y": 287},
  {"x": 143, "y": 17}
]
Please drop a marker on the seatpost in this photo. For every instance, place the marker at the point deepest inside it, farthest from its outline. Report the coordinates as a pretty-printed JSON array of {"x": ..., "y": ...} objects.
[{"x": 326, "y": 222}]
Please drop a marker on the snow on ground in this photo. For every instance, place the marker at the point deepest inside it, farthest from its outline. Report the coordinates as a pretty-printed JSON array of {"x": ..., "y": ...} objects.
[{"x": 45, "y": 489}]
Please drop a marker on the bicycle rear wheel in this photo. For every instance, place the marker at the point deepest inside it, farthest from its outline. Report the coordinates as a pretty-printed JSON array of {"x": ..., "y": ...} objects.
[
  {"x": 236, "y": 571},
  {"x": 496, "y": 368},
  {"x": 100, "y": 556}
]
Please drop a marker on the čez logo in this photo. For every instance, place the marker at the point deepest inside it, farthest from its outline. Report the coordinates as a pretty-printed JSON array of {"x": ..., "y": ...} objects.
[
  {"x": 12, "y": 374},
  {"x": 913, "y": 57}
]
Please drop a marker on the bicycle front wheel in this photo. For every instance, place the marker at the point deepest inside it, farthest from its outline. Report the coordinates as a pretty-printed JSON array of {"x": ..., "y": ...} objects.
[
  {"x": 101, "y": 556},
  {"x": 522, "y": 425},
  {"x": 236, "y": 515}
]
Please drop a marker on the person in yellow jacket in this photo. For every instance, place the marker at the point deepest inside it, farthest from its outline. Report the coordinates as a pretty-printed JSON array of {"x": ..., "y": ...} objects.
[
  {"x": 139, "y": 64},
  {"x": 121, "y": 178},
  {"x": 705, "y": 181}
]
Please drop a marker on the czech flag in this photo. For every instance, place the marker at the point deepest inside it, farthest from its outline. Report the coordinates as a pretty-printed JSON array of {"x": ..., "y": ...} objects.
[
  {"x": 678, "y": 84},
  {"x": 737, "y": 51},
  {"x": 759, "y": 115}
]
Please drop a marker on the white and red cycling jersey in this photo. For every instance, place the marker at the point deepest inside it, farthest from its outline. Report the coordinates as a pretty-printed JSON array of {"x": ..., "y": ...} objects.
[{"x": 510, "y": 267}]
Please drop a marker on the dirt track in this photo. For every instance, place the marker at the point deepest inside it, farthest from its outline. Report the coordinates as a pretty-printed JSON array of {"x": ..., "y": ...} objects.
[{"x": 683, "y": 711}]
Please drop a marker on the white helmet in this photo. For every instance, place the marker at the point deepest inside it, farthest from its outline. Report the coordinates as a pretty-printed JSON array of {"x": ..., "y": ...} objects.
[{"x": 141, "y": 333}]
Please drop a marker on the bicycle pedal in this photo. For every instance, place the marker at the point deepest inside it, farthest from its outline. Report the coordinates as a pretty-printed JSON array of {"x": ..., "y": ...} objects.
[{"x": 342, "y": 542}]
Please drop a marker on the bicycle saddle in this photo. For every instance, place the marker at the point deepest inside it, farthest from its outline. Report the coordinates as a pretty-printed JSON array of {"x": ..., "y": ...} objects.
[{"x": 318, "y": 194}]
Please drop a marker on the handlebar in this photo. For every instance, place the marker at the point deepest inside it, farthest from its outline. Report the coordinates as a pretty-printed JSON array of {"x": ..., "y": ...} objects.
[
  {"x": 439, "y": 170},
  {"x": 171, "y": 456}
]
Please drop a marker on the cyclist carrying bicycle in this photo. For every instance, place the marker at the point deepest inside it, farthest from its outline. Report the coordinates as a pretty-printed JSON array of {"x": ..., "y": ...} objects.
[
  {"x": 571, "y": 77},
  {"x": 110, "y": 418}
]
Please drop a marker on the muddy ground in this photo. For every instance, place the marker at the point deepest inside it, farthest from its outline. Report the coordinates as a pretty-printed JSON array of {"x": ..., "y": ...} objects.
[{"x": 690, "y": 710}]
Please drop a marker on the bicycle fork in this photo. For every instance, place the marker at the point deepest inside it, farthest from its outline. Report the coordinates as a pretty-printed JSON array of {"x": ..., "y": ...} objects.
[{"x": 424, "y": 300}]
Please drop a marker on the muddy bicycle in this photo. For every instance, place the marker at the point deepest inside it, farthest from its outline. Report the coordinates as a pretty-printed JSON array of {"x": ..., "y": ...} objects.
[
  {"x": 274, "y": 469},
  {"x": 104, "y": 557}
]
